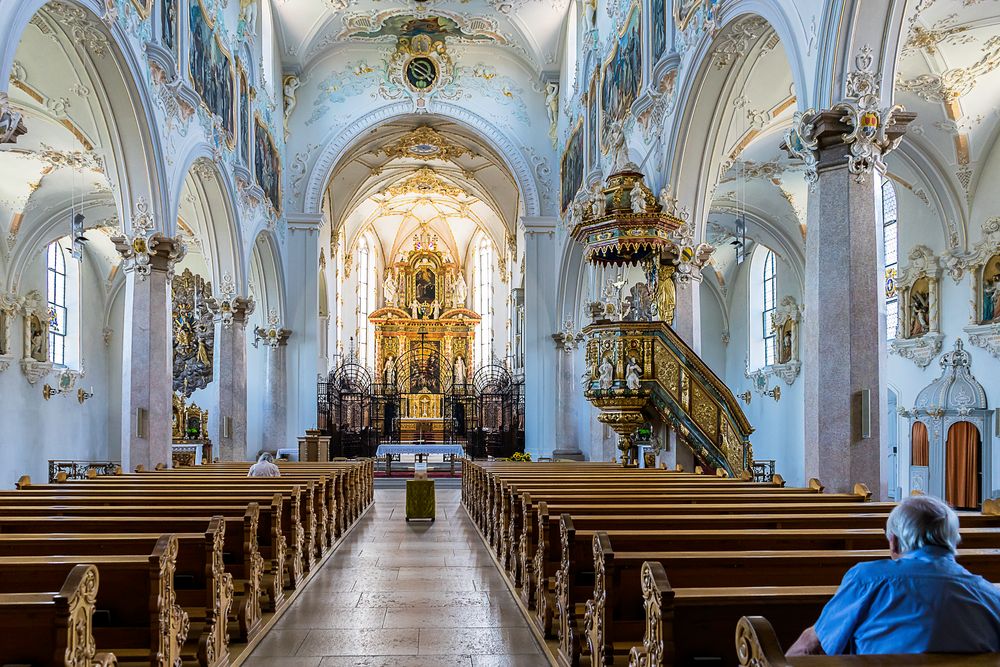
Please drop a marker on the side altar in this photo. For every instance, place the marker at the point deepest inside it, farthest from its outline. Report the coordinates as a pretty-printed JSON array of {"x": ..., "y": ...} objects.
[{"x": 424, "y": 339}]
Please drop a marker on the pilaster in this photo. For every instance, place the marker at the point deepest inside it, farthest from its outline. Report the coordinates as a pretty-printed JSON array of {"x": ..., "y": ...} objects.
[
  {"x": 230, "y": 428},
  {"x": 301, "y": 316},
  {"x": 540, "y": 320}
]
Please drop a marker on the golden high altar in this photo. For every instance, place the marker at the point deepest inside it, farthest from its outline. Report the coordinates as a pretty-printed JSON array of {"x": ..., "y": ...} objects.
[{"x": 424, "y": 337}]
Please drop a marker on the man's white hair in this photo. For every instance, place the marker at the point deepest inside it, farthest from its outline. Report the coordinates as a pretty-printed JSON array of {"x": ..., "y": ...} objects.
[
  {"x": 266, "y": 456},
  {"x": 921, "y": 521}
]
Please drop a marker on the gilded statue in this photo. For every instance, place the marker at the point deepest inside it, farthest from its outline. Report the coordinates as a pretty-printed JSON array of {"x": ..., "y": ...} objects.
[{"x": 666, "y": 294}]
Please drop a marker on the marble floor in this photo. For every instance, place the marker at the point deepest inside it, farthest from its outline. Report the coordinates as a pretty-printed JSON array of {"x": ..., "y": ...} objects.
[{"x": 404, "y": 595}]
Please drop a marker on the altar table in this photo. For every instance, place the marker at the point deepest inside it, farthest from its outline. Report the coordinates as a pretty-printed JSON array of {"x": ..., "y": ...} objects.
[{"x": 420, "y": 449}]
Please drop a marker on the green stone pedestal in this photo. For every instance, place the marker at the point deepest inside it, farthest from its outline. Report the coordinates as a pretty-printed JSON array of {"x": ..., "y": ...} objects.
[{"x": 420, "y": 499}]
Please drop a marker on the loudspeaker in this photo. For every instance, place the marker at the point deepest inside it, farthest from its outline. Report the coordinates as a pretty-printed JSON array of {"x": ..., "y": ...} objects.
[{"x": 866, "y": 413}]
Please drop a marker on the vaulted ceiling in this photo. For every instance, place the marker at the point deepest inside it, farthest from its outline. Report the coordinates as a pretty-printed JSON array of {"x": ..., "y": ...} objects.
[{"x": 529, "y": 28}]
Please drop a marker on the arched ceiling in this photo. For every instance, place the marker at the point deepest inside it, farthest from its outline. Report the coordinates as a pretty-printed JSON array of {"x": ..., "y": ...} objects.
[
  {"x": 529, "y": 28},
  {"x": 949, "y": 73},
  {"x": 423, "y": 171}
]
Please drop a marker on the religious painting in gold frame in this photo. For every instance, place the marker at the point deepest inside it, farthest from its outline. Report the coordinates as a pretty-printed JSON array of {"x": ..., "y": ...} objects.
[
  {"x": 267, "y": 165},
  {"x": 211, "y": 70},
  {"x": 571, "y": 167},
  {"x": 621, "y": 73}
]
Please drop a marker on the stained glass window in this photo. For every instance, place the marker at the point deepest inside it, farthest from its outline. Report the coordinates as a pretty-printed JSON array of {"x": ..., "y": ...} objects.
[{"x": 889, "y": 233}]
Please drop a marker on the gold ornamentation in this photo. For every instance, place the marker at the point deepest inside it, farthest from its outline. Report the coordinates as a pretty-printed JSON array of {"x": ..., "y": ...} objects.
[
  {"x": 424, "y": 143},
  {"x": 424, "y": 181}
]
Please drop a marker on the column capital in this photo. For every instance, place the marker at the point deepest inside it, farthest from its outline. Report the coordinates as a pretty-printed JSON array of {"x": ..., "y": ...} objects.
[
  {"x": 855, "y": 132},
  {"x": 145, "y": 254},
  {"x": 231, "y": 309}
]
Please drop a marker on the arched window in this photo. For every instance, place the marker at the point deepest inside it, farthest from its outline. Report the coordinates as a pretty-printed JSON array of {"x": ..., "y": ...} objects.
[
  {"x": 889, "y": 239},
  {"x": 55, "y": 263},
  {"x": 769, "y": 304},
  {"x": 267, "y": 46},
  {"x": 366, "y": 298},
  {"x": 762, "y": 287},
  {"x": 484, "y": 300}
]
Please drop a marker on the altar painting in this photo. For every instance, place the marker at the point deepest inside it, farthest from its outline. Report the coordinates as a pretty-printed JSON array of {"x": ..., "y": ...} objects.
[
  {"x": 991, "y": 290},
  {"x": 571, "y": 168},
  {"x": 425, "y": 285},
  {"x": 211, "y": 70},
  {"x": 267, "y": 166},
  {"x": 621, "y": 76}
]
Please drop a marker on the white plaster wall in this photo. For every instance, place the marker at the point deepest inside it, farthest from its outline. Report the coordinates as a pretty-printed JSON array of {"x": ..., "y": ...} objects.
[{"x": 35, "y": 430}]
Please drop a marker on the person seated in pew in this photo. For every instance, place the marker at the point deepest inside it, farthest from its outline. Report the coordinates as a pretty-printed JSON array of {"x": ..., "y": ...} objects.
[
  {"x": 264, "y": 467},
  {"x": 919, "y": 601}
]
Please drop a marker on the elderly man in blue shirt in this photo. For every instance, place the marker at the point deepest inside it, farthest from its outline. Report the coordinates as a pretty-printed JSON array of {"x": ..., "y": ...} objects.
[{"x": 920, "y": 601}]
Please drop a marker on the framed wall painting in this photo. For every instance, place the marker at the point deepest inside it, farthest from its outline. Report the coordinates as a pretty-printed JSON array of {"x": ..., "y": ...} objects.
[
  {"x": 212, "y": 71},
  {"x": 621, "y": 74},
  {"x": 658, "y": 28},
  {"x": 245, "y": 118},
  {"x": 267, "y": 165},
  {"x": 571, "y": 167}
]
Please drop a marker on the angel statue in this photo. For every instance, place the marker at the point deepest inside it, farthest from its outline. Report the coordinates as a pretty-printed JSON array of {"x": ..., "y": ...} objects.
[
  {"x": 389, "y": 289},
  {"x": 633, "y": 374},
  {"x": 638, "y": 198},
  {"x": 248, "y": 14},
  {"x": 552, "y": 107},
  {"x": 436, "y": 309},
  {"x": 618, "y": 149},
  {"x": 414, "y": 309},
  {"x": 291, "y": 85},
  {"x": 598, "y": 203},
  {"x": 606, "y": 374}
]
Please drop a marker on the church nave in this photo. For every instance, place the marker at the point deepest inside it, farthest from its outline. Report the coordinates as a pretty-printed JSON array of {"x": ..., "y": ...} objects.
[{"x": 407, "y": 595}]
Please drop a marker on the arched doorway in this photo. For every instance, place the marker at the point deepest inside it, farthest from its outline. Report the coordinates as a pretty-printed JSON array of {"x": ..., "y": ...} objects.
[{"x": 963, "y": 466}]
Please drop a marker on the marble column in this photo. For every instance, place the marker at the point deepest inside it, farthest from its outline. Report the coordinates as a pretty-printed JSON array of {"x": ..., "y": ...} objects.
[
  {"x": 147, "y": 346},
  {"x": 843, "y": 340},
  {"x": 275, "y": 413},
  {"x": 567, "y": 442},
  {"x": 302, "y": 317},
  {"x": 540, "y": 320},
  {"x": 230, "y": 427},
  {"x": 687, "y": 316}
]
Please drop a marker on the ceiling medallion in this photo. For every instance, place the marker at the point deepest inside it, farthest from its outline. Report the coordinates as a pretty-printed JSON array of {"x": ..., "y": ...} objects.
[
  {"x": 423, "y": 143},
  {"x": 420, "y": 66},
  {"x": 424, "y": 181}
]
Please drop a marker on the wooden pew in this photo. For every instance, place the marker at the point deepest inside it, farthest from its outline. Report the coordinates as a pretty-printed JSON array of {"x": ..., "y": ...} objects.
[
  {"x": 203, "y": 588},
  {"x": 244, "y": 564},
  {"x": 758, "y": 646},
  {"x": 282, "y": 532},
  {"x": 709, "y": 569},
  {"x": 53, "y": 628},
  {"x": 141, "y": 621}
]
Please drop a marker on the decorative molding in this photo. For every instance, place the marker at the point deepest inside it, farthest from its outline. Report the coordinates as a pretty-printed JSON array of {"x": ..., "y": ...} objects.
[
  {"x": 229, "y": 308},
  {"x": 986, "y": 336},
  {"x": 921, "y": 350}
]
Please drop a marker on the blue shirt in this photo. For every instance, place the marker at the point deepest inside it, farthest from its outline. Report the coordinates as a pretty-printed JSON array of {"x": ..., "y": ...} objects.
[{"x": 924, "y": 602}]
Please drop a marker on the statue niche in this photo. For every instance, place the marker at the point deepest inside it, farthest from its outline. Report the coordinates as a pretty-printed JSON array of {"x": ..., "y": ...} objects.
[
  {"x": 193, "y": 331},
  {"x": 35, "y": 362},
  {"x": 918, "y": 336},
  {"x": 983, "y": 265}
]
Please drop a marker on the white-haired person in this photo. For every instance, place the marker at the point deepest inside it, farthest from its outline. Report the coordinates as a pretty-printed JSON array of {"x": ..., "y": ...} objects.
[
  {"x": 919, "y": 601},
  {"x": 264, "y": 467}
]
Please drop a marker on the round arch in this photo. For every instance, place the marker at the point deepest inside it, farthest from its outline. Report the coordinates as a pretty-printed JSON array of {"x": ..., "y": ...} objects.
[
  {"x": 343, "y": 141},
  {"x": 136, "y": 166},
  {"x": 694, "y": 156},
  {"x": 266, "y": 272},
  {"x": 213, "y": 213}
]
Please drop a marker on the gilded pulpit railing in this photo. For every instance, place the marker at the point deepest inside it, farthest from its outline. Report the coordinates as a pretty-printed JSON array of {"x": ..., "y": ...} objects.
[
  {"x": 668, "y": 378},
  {"x": 638, "y": 369}
]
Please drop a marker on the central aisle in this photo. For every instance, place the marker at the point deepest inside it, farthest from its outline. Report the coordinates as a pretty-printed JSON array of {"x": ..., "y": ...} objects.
[{"x": 404, "y": 595}]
